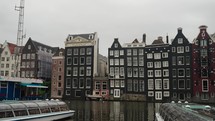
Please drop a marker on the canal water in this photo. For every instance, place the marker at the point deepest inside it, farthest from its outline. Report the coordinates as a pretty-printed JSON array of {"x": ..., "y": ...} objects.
[{"x": 113, "y": 111}]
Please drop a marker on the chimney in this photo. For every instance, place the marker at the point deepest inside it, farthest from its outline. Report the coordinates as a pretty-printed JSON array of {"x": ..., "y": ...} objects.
[
  {"x": 160, "y": 38},
  {"x": 115, "y": 39},
  {"x": 144, "y": 38},
  {"x": 167, "y": 39},
  {"x": 179, "y": 30},
  {"x": 203, "y": 27}
]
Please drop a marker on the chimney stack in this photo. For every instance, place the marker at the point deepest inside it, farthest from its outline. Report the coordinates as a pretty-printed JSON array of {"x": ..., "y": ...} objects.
[
  {"x": 167, "y": 39},
  {"x": 160, "y": 38},
  {"x": 203, "y": 27},
  {"x": 179, "y": 30},
  {"x": 144, "y": 38}
]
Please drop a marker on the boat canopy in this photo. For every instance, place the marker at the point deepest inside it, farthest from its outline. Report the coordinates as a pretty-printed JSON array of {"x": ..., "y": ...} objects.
[{"x": 33, "y": 85}]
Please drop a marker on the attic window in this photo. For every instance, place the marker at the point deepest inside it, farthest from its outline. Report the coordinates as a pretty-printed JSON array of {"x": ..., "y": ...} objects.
[
  {"x": 91, "y": 36},
  {"x": 71, "y": 37},
  {"x": 60, "y": 53},
  {"x": 29, "y": 47},
  {"x": 116, "y": 45},
  {"x": 180, "y": 41}
]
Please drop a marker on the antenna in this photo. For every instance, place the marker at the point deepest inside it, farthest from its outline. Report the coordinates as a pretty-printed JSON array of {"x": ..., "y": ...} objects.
[{"x": 20, "y": 35}]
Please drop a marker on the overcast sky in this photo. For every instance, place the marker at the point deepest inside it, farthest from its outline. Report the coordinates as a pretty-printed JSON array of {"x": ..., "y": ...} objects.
[{"x": 50, "y": 21}]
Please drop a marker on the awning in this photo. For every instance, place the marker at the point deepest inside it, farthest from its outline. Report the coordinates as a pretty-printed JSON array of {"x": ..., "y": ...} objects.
[{"x": 33, "y": 85}]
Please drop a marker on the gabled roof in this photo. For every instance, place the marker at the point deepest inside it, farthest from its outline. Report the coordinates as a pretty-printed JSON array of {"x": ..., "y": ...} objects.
[
  {"x": 11, "y": 47},
  {"x": 116, "y": 42},
  {"x": 57, "y": 53},
  {"x": 135, "y": 41},
  {"x": 38, "y": 44},
  {"x": 180, "y": 35}
]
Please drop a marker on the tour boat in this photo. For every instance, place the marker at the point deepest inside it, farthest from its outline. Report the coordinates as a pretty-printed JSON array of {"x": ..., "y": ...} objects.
[
  {"x": 36, "y": 110},
  {"x": 185, "y": 112}
]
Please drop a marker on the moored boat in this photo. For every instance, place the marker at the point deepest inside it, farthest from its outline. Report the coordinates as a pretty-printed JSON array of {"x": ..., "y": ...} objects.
[
  {"x": 36, "y": 110},
  {"x": 185, "y": 112}
]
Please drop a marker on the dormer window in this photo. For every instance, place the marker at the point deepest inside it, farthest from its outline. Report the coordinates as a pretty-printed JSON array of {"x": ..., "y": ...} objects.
[
  {"x": 60, "y": 54},
  {"x": 29, "y": 47},
  {"x": 71, "y": 37},
  {"x": 180, "y": 41},
  {"x": 91, "y": 36}
]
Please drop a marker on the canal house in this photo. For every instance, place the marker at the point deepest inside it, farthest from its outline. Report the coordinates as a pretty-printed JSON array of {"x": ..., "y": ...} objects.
[
  {"x": 157, "y": 70},
  {"x": 81, "y": 65},
  {"x": 181, "y": 68},
  {"x": 203, "y": 54}
]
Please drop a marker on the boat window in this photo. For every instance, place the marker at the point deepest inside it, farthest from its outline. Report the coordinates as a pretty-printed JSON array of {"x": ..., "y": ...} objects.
[
  {"x": 45, "y": 110},
  {"x": 20, "y": 113},
  {"x": 6, "y": 114},
  {"x": 18, "y": 106},
  {"x": 63, "y": 108},
  {"x": 33, "y": 111},
  {"x": 31, "y": 105},
  {"x": 55, "y": 109}
]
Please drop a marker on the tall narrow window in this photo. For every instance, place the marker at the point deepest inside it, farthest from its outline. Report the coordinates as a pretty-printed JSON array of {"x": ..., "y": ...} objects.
[
  {"x": 68, "y": 83},
  {"x": 150, "y": 84},
  {"x": 69, "y": 71},
  {"x": 205, "y": 85}
]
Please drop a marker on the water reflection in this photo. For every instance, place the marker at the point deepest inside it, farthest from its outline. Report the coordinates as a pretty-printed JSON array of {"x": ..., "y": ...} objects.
[{"x": 113, "y": 111}]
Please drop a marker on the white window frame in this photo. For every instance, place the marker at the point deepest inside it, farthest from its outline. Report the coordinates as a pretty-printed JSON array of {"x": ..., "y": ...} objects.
[
  {"x": 121, "y": 52},
  {"x": 207, "y": 88},
  {"x": 111, "y": 62},
  {"x": 165, "y": 73},
  {"x": 158, "y": 84},
  {"x": 157, "y": 55},
  {"x": 187, "y": 49},
  {"x": 150, "y": 73},
  {"x": 165, "y": 83},
  {"x": 165, "y": 55},
  {"x": 121, "y": 61},
  {"x": 184, "y": 83},
  {"x": 116, "y": 53},
  {"x": 150, "y": 94},
  {"x": 149, "y": 55},
  {"x": 150, "y": 64},
  {"x": 157, "y": 64},
  {"x": 111, "y": 52},
  {"x": 166, "y": 93},
  {"x": 158, "y": 73},
  {"x": 180, "y": 49},
  {"x": 165, "y": 63},
  {"x": 150, "y": 84},
  {"x": 158, "y": 95},
  {"x": 180, "y": 40},
  {"x": 173, "y": 49}
]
